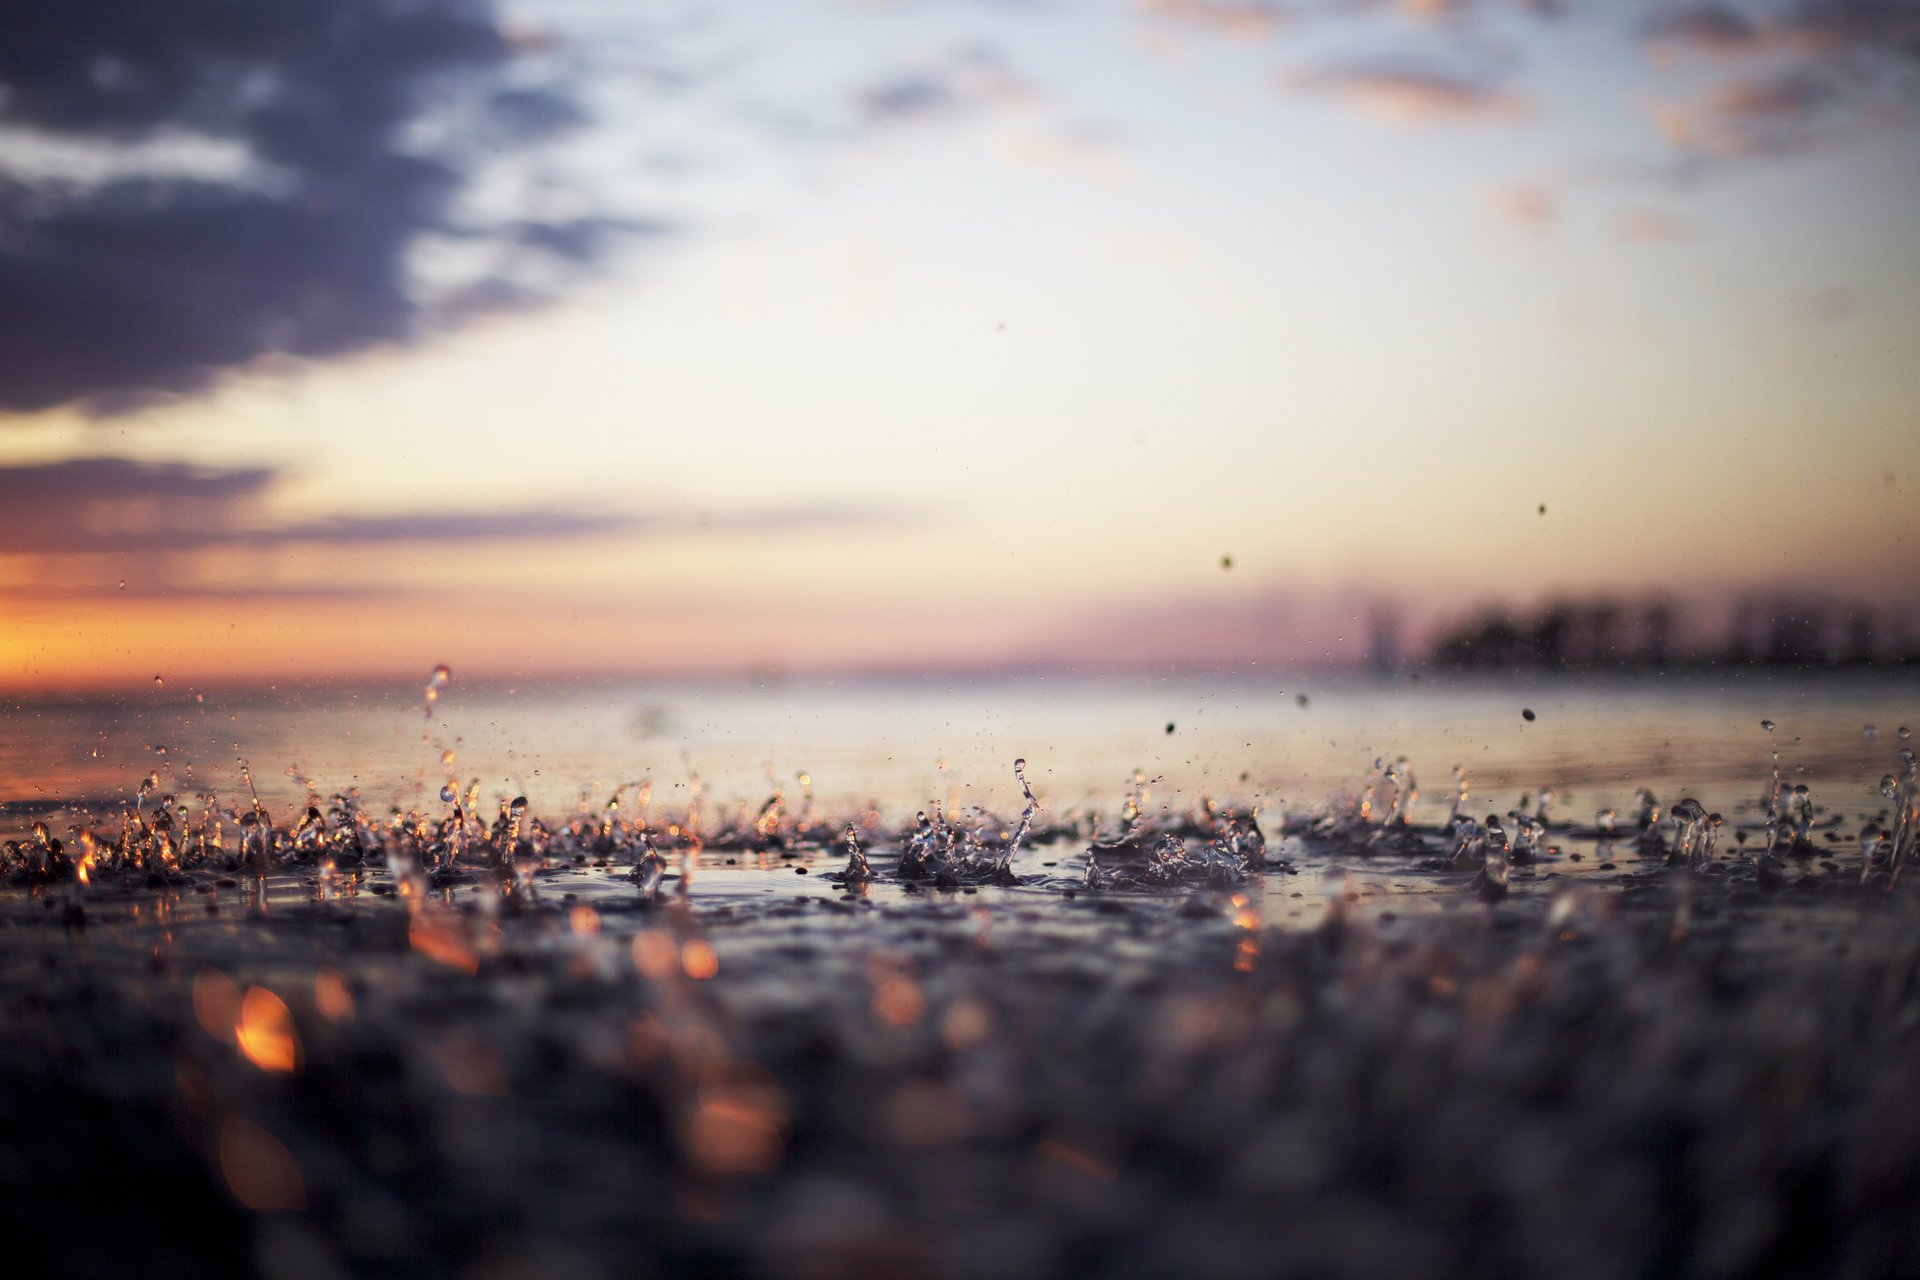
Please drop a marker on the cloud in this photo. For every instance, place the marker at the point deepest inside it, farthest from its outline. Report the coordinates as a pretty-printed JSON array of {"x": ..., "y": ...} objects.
[
  {"x": 1531, "y": 206},
  {"x": 103, "y": 505},
  {"x": 1761, "y": 116},
  {"x": 957, "y": 85},
  {"x": 192, "y": 185},
  {"x": 1652, "y": 226},
  {"x": 1458, "y": 10},
  {"x": 1404, "y": 94},
  {"x": 1809, "y": 28},
  {"x": 1239, "y": 19},
  {"x": 1709, "y": 29},
  {"x": 1880, "y": 27},
  {"x": 1815, "y": 72}
]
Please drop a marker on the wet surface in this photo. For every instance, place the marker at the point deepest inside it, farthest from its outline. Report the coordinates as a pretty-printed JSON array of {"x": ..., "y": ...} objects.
[
  {"x": 1158, "y": 1035},
  {"x": 1344, "y": 1061}
]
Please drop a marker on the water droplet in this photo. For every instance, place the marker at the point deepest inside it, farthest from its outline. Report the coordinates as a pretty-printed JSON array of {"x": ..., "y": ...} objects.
[
  {"x": 1169, "y": 726},
  {"x": 448, "y": 795},
  {"x": 123, "y": 584},
  {"x": 1226, "y": 562},
  {"x": 438, "y": 681},
  {"x": 158, "y": 681},
  {"x": 1526, "y": 713},
  {"x": 1543, "y": 508},
  {"x": 1905, "y": 733}
]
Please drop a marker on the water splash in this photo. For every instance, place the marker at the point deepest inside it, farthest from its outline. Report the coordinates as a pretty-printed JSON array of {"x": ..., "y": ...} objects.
[
  {"x": 436, "y": 685},
  {"x": 1460, "y": 797},
  {"x": 1689, "y": 834},
  {"x": 1491, "y": 884},
  {"x": 651, "y": 869},
  {"x": 1469, "y": 845},
  {"x": 858, "y": 870},
  {"x": 1903, "y": 842}
]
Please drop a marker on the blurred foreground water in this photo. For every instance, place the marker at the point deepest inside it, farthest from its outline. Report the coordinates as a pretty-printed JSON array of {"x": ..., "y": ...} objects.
[{"x": 1586, "y": 1045}]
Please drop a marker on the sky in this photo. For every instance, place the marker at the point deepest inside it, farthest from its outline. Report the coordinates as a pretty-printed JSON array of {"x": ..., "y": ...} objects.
[{"x": 342, "y": 339}]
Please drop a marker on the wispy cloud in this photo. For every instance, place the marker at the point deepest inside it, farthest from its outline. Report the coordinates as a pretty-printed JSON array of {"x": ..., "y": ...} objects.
[
  {"x": 102, "y": 505},
  {"x": 1528, "y": 205},
  {"x": 1408, "y": 94},
  {"x": 1239, "y": 19},
  {"x": 1652, "y": 226},
  {"x": 960, "y": 84},
  {"x": 1763, "y": 116}
]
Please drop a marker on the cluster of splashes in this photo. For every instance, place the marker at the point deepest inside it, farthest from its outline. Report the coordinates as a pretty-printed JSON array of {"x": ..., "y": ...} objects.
[
  {"x": 1213, "y": 846},
  {"x": 335, "y": 841}
]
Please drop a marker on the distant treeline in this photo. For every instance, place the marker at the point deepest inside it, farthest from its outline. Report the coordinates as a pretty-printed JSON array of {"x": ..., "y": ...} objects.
[{"x": 1653, "y": 633}]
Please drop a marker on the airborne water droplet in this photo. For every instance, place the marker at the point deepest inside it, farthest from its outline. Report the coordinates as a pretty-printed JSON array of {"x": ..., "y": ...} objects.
[
  {"x": 438, "y": 681},
  {"x": 448, "y": 795},
  {"x": 1905, "y": 733},
  {"x": 1767, "y": 725}
]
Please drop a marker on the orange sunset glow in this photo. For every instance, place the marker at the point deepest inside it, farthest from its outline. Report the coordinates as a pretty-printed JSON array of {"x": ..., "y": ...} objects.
[{"x": 945, "y": 336}]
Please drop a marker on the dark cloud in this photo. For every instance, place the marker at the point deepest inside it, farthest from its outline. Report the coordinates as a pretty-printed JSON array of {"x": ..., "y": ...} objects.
[
  {"x": 1883, "y": 27},
  {"x": 360, "y": 125},
  {"x": 1815, "y": 72},
  {"x": 1810, "y": 28},
  {"x": 93, "y": 506},
  {"x": 1709, "y": 29}
]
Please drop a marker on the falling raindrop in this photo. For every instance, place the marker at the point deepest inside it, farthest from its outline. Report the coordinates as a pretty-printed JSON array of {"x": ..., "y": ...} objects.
[{"x": 448, "y": 795}]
